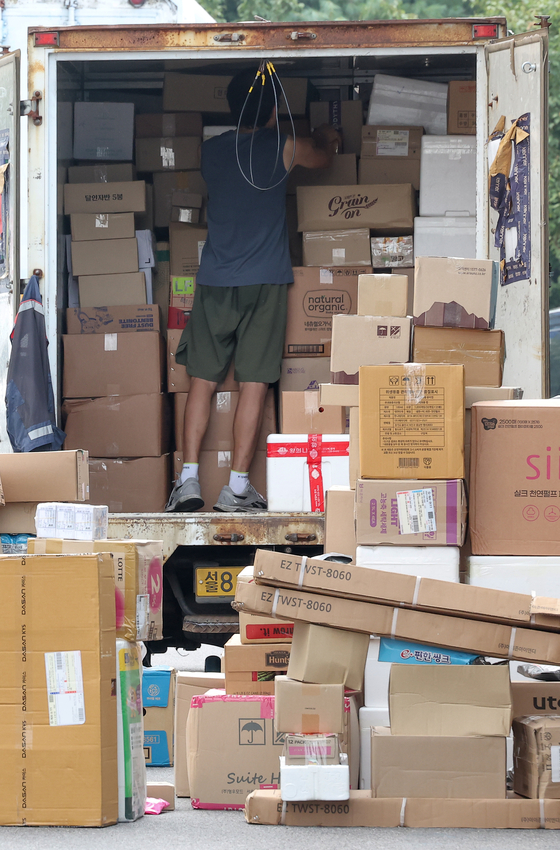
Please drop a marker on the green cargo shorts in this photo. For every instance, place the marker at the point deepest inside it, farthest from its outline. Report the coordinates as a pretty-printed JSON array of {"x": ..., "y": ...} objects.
[{"x": 243, "y": 323}]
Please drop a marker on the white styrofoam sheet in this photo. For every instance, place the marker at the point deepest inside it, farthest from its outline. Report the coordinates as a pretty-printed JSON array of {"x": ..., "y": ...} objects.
[
  {"x": 440, "y": 562},
  {"x": 300, "y": 782},
  {"x": 445, "y": 236},
  {"x": 518, "y": 574},
  {"x": 448, "y": 176}
]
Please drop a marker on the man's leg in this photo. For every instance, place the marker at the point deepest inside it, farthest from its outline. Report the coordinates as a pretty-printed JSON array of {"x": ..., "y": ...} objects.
[
  {"x": 247, "y": 423},
  {"x": 197, "y": 414}
]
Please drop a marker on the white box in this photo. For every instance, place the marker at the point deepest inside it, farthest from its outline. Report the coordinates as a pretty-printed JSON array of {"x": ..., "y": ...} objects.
[
  {"x": 300, "y": 782},
  {"x": 369, "y": 717},
  {"x": 441, "y": 236},
  {"x": 516, "y": 573},
  {"x": 448, "y": 176},
  {"x": 72, "y": 521},
  {"x": 439, "y": 562},
  {"x": 409, "y": 103},
  {"x": 376, "y": 679},
  {"x": 146, "y": 249},
  {"x": 103, "y": 131},
  {"x": 296, "y": 464}
]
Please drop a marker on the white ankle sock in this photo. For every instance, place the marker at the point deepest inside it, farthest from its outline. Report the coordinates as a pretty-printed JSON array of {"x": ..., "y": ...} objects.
[
  {"x": 238, "y": 481},
  {"x": 190, "y": 470}
]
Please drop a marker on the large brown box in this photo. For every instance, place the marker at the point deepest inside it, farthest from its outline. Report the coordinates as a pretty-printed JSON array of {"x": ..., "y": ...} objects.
[
  {"x": 155, "y": 125},
  {"x": 328, "y": 656},
  {"x": 44, "y": 477},
  {"x": 177, "y": 379},
  {"x": 342, "y": 172},
  {"x": 102, "y": 226},
  {"x": 390, "y": 155},
  {"x": 251, "y": 668},
  {"x": 535, "y": 698},
  {"x": 185, "y": 246},
  {"x": 102, "y": 172},
  {"x": 130, "y": 485},
  {"x": 58, "y": 746},
  {"x": 165, "y": 183},
  {"x": 385, "y": 209},
  {"x": 347, "y": 116},
  {"x": 337, "y": 248},
  {"x": 188, "y": 685},
  {"x": 111, "y": 256},
  {"x": 302, "y": 413},
  {"x": 457, "y": 768},
  {"x": 120, "y": 197},
  {"x": 112, "y": 364},
  {"x": 117, "y": 319},
  {"x": 208, "y": 93},
  {"x": 382, "y": 295},
  {"x": 315, "y": 296},
  {"x": 481, "y": 352},
  {"x": 412, "y": 421},
  {"x": 112, "y": 290},
  {"x": 390, "y": 170},
  {"x": 340, "y": 534},
  {"x": 536, "y": 749},
  {"x": 461, "y": 108},
  {"x": 452, "y": 293},
  {"x": 515, "y": 478},
  {"x": 366, "y": 341},
  {"x": 180, "y": 153},
  {"x": 219, "y": 434},
  {"x": 308, "y": 709},
  {"x": 121, "y": 426}
]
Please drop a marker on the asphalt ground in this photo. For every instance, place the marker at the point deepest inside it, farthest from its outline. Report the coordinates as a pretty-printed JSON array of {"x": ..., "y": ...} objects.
[{"x": 214, "y": 830}]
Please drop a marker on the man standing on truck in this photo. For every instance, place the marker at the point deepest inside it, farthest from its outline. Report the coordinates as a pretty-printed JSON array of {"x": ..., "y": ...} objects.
[{"x": 240, "y": 303}]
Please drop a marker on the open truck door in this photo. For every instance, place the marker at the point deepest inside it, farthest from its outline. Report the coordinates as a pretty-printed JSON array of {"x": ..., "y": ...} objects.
[{"x": 517, "y": 70}]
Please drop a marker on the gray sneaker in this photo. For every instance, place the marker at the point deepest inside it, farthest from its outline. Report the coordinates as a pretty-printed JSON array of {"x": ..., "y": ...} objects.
[
  {"x": 249, "y": 501},
  {"x": 185, "y": 496}
]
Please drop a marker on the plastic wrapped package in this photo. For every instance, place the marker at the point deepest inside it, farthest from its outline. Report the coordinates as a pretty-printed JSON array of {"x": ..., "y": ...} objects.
[{"x": 130, "y": 741}]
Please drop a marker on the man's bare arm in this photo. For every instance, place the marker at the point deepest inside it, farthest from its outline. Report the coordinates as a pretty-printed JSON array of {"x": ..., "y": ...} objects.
[{"x": 314, "y": 152}]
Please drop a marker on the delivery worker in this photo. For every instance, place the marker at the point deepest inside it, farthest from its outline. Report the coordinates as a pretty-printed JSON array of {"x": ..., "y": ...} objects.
[{"x": 239, "y": 310}]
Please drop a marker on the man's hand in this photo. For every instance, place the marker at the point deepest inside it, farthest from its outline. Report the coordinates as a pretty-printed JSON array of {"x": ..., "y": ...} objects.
[{"x": 314, "y": 152}]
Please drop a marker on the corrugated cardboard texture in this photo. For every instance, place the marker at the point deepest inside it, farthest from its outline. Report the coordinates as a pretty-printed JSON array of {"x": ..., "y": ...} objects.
[
  {"x": 164, "y": 186},
  {"x": 103, "y": 130},
  {"x": 302, "y": 413},
  {"x": 348, "y": 395},
  {"x": 461, "y": 108},
  {"x": 367, "y": 341},
  {"x": 330, "y": 656},
  {"x": 340, "y": 534},
  {"x": 179, "y": 153},
  {"x": 207, "y": 93},
  {"x": 382, "y": 295},
  {"x": 536, "y": 749},
  {"x": 118, "y": 319},
  {"x": 455, "y": 293},
  {"x": 412, "y": 420},
  {"x": 64, "y": 605},
  {"x": 304, "y": 373},
  {"x": 535, "y": 698},
  {"x": 461, "y": 768},
  {"x": 45, "y": 476},
  {"x": 185, "y": 245},
  {"x": 115, "y": 197},
  {"x": 112, "y": 290},
  {"x": 385, "y": 209},
  {"x": 480, "y": 352},
  {"x": 102, "y": 226},
  {"x": 109, "y": 256},
  {"x": 130, "y": 485},
  {"x": 305, "y": 708},
  {"x": 250, "y": 669},
  {"x": 188, "y": 685},
  {"x": 453, "y": 701},
  {"x": 102, "y": 172}
]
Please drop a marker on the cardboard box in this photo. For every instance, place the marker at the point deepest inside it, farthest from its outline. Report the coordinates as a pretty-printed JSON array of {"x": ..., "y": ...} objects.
[
  {"x": 387, "y": 209},
  {"x": 177, "y": 379},
  {"x": 514, "y": 478},
  {"x": 173, "y": 124},
  {"x": 302, "y": 413},
  {"x": 266, "y": 807},
  {"x": 463, "y": 768},
  {"x": 461, "y": 108},
  {"x": 347, "y": 116},
  {"x": 256, "y": 629},
  {"x": 185, "y": 246},
  {"x": 315, "y": 296},
  {"x": 158, "y": 699},
  {"x": 103, "y": 226},
  {"x": 214, "y": 468},
  {"x": 329, "y": 656},
  {"x": 451, "y": 293},
  {"x": 208, "y": 93},
  {"x": 18, "y": 518},
  {"x": 306, "y": 708},
  {"x": 181, "y": 294},
  {"x": 103, "y": 130},
  {"x": 219, "y": 433},
  {"x": 179, "y": 153},
  {"x": 120, "y": 319},
  {"x": 410, "y": 275},
  {"x": 177, "y": 318},
  {"x": 453, "y": 701},
  {"x": 117, "y": 197},
  {"x": 45, "y": 477},
  {"x": 126, "y": 426},
  {"x": 391, "y": 251},
  {"x": 312, "y": 781},
  {"x": 59, "y": 658},
  {"x": 108, "y": 364},
  {"x": 382, "y": 295},
  {"x": 367, "y": 341},
  {"x": 311, "y": 749},
  {"x": 536, "y": 745},
  {"x": 165, "y": 183},
  {"x": 337, "y": 248},
  {"x": 250, "y": 669},
  {"x": 186, "y": 207},
  {"x": 410, "y": 513},
  {"x": 390, "y": 155},
  {"x": 342, "y": 172},
  {"x": 72, "y": 521},
  {"x": 162, "y": 791},
  {"x": 348, "y": 395},
  {"x": 340, "y": 535},
  {"x": 102, "y": 172},
  {"x": 533, "y": 698},
  {"x": 304, "y": 373},
  {"x": 480, "y": 638},
  {"x": 412, "y": 419},
  {"x": 188, "y": 685},
  {"x": 110, "y": 256},
  {"x": 130, "y": 485},
  {"x": 112, "y": 290},
  {"x": 482, "y": 353},
  {"x": 354, "y": 446},
  {"x": 388, "y": 171}
]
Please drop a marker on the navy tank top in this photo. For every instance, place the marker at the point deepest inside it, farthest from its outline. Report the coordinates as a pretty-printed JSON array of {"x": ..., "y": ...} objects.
[{"x": 247, "y": 240}]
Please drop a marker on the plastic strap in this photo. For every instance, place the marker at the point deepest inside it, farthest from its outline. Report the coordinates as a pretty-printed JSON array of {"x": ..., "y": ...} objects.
[
  {"x": 512, "y": 641},
  {"x": 394, "y": 623},
  {"x": 542, "y": 824},
  {"x": 275, "y": 602},
  {"x": 532, "y": 617},
  {"x": 416, "y": 591},
  {"x": 403, "y": 812},
  {"x": 302, "y": 570},
  {"x": 283, "y": 815}
]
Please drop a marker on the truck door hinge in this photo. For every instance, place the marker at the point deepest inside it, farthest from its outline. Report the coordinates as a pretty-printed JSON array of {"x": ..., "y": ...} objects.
[
  {"x": 298, "y": 36},
  {"x": 31, "y": 108},
  {"x": 229, "y": 38}
]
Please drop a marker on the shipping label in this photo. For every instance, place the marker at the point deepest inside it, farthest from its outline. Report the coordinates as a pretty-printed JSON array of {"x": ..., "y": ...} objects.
[
  {"x": 416, "y": 511},
  {"x": 392, "y": 143},
  {"x": 65, "y": 688}
]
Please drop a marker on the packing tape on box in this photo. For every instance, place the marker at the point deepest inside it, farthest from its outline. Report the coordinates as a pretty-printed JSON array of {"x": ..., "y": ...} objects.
[
  {"x": 512, "y": 642},
  {"x": 283, "y": 815},
  {"x": 542, "y": 824},
  {"x": 394, "y": 623},
  {"x": 310, "y": 402},
  {"x": 275, "y": 602},
  {"x": 532, "y": 617},
  {"x": 416, "y": 591},
  {"x": 403, "y": 811},
  {"x": 302, "y": 570}
]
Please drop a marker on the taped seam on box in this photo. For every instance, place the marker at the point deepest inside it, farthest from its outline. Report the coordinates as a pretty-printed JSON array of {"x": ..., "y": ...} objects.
[
  {"x": 275, "y": 602},
  {"x": 283, "y": 815},
  {"x": 512, "y": 642},
  {"x": 403, "y": 812},
  {"x": 302, "y": 570},
  {"x": 542, "y": 824},
  {"x": 394, "y": 623},
  {"x": 416, "y": 591}
]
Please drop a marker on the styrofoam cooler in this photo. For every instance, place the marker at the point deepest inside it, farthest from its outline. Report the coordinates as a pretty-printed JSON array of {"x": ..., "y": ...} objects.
[
  {"x": 445, "y": 236},
  {"x": 300, "y": 468},
  {"x": 448, "y": 176},
  {"x": 314, "y": 781},
  {"x": 440, "y": 562},
  {"x": 406, "y": 102}
]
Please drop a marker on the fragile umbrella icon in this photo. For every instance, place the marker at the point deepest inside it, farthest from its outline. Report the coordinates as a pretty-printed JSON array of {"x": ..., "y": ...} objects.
[{"x": 251, "y": 727}]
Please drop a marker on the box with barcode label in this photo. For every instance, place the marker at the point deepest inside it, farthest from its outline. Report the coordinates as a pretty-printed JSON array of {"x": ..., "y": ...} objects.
[
  {"x": 412, "y": 421},
  {"x": 536, "y": 755},
  {"x": 410, "y": 513}
]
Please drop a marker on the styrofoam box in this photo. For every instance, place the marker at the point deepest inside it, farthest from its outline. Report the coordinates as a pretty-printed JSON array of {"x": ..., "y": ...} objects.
[
  {"x": 448, "y": 175},
  {"x": 288, "y": 472},
  {"x": 441, "y": 562},
  {"x": 445, "y": 236},
  {"x": 300, "y": 782},
  {"x": 72, "y": 521},
  {"x": 369, "y": 717},
  {"x": 410, "y": 103},
  {"x": 518, "y": 574},
  {"x": 376, "y": 678}
]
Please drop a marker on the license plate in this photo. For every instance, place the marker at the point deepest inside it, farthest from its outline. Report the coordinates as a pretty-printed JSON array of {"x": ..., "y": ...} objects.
[{"x": 216, "y": 582}]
